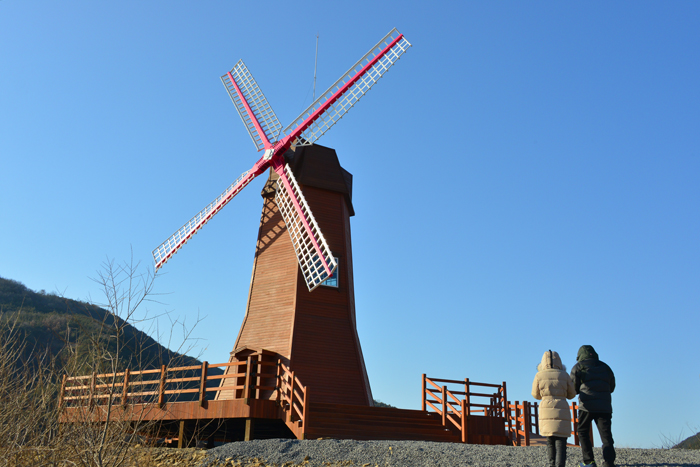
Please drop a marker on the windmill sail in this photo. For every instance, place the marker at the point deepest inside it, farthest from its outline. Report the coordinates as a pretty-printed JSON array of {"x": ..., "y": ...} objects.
[
  {"x": 330, "y": 107},
  {"x": 262, "y": 125},
  {"x": 315, "y": 258},
  {"x": 169, "y": 247}
]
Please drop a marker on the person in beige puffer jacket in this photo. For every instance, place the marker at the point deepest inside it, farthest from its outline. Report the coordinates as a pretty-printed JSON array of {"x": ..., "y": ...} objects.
[{"x": 553, "y": 386}]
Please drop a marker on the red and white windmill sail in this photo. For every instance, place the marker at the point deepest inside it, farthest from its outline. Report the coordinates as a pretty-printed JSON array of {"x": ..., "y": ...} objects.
[{"x": 315, "y": 258}]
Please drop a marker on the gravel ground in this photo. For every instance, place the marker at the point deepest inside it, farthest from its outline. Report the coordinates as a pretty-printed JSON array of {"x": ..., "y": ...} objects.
[{"x": 336, "y": 453}]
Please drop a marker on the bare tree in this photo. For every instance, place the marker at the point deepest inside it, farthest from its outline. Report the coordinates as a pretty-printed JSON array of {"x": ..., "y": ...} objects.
[
  {"x": 28, "y": 391},
  {"x": 94, "y": 427},
  {"x": 101, "y": 432}
]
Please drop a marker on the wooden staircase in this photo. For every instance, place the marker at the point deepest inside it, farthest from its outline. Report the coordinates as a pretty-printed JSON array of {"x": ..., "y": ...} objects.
[{"x": 327, "y": 420}]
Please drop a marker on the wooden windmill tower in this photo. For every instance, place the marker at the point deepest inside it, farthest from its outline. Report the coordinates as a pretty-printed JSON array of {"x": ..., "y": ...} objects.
[{"x": 305, "y": 314}]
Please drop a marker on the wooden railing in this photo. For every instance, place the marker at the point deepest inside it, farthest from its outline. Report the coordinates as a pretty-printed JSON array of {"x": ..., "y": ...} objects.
[
  {"x": 526, "y": 418},
  {"x": 250, "y": 379},
  {"x": 454, "y": 401},
  {"x": 293, "y": 396},
  {"x": 455, "y": 405},
  {"x": 574, "y": 425},
  {"x": 525, "y": 422},
  {"x": 155, "y": 386}
]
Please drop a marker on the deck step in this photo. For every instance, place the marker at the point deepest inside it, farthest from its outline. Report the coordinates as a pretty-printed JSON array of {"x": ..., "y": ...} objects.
[{"x": 361, "y": 422}]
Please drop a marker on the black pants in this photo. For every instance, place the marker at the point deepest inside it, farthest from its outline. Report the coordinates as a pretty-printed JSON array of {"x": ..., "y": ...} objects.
[
  {"x": 604, "y": 422},
  {"x": 556, "y": 451}
]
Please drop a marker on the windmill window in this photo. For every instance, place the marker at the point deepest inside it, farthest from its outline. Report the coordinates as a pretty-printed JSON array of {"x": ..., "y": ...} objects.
[{"x": 333, "y": 280}]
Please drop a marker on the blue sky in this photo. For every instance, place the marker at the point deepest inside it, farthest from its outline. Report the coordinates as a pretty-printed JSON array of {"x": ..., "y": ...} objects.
[{"x": 525, "y": 178}]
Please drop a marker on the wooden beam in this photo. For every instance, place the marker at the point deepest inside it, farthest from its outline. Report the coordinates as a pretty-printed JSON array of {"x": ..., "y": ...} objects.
[
  {"x": 181, "y": 436},
  {"x": 249, "y": 427}
]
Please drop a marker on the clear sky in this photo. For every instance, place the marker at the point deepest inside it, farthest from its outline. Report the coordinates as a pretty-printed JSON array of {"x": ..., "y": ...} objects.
[{"x": 525, "y": 178}]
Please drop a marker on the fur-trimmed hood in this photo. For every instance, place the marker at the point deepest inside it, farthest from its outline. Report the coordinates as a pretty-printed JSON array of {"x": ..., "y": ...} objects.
[{"x": 551, "y": 360}]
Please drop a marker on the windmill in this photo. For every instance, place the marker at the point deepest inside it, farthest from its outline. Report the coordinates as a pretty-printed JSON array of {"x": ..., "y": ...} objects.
[
  {"x": 288, "y": 317},
  {"x": 315, "y": 259}
]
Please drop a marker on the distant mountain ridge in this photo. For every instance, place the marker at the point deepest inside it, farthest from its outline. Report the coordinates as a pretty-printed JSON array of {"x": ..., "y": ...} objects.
[{"x": 50, "y": 322}]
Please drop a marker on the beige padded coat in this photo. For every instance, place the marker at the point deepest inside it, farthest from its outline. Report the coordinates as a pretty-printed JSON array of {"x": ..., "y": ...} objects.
[{"x": 553, "y": 386}]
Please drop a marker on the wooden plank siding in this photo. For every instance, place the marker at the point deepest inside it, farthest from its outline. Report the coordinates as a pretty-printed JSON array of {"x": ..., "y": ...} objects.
[
  {"x": 314, "y": 332},
  {"x": 270, "y": 312}
]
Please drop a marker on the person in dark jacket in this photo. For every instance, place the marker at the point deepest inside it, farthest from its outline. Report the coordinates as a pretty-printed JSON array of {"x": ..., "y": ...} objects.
[{"x": 594, "y": 382}]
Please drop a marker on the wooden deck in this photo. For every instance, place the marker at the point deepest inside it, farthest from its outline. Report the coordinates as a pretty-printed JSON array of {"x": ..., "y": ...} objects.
[
  {"x": 323, "y": 420},
  {"x": 269, "y": 400}
]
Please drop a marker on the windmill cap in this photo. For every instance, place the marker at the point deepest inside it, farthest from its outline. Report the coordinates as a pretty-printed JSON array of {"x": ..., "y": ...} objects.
[{"x": 316, "y": 166}]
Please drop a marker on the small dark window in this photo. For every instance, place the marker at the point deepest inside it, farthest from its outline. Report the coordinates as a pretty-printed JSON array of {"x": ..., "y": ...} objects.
[{"x": 333, "y": 280}]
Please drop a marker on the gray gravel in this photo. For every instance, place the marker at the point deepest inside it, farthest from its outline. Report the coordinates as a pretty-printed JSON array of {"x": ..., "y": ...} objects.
[{"x": 332, "y": 452}]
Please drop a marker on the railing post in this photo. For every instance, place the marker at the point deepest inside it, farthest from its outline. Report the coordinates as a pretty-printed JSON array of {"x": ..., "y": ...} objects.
[
  {"x": 291, "y": 398},
  {"x": 466, "y": 396},
  {"x": 258, "y": 375},
  {"x": 424, "y": 394},
  {"x": 246, "y": 387},
  {"x": 125, "y": 387},
  {"x": 537, "y": 418},
  {"x": 528, "y": 421},
  {"x": 203, "y": 383},
  {"x": 278, "y": 382},
  {"x": 444, "y": 406},
  {"x": 465, "y": 414},
  {"x": 93, "y": 388},
  {"x": 62, "y": 394},
  {"x": 305, "y": 390},
  {"x": 574, "y": 423},
  {"x": 506, "y": 409},
  {"x": 518, "y": 414},
  {"x": 161, "y": 389}
]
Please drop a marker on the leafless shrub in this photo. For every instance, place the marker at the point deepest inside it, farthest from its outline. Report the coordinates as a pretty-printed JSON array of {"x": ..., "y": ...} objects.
[
  {"x": 93, "y": 427},
  {"x": 28, "y": 391}
]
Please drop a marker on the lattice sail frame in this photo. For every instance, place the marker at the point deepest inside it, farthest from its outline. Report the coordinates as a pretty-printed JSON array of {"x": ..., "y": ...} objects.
[
  {"x": 348, "y": 98},
  {"x": 315, "y": 259},
  {"x": 256, "y": 100},
  {"x": 168, "y": 248},
  {"x": 314, "y": 256}
]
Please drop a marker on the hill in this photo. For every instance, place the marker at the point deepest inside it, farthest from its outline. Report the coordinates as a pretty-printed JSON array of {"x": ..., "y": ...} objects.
[
  {"x": 692, "y": 442},
  {"x": 49, "y": 323}
]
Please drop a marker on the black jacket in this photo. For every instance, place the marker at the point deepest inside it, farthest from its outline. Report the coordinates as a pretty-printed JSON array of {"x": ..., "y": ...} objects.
[{"x": 594, "y": 381}]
